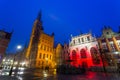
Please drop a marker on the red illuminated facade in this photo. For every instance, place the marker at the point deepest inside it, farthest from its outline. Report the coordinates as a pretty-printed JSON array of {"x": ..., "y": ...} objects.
[{"x": 84, "y": 51}]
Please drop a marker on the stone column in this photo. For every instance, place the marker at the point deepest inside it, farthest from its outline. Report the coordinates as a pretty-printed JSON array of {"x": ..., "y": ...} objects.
[
  {"x": 108, "y": 45},
  {"x": 115, "y": 43},
  {"x": 100, "y": 43}
]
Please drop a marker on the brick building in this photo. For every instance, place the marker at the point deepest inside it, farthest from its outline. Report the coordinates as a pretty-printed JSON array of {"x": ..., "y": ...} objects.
[{"x": 4, "y": 41}]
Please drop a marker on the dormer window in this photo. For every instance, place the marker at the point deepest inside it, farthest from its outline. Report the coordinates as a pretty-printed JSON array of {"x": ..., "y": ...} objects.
[{"x": 107, "y": 33}]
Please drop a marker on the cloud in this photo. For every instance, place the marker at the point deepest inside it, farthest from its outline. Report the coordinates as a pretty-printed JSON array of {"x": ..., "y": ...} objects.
[{"x": 52, "y": 16}]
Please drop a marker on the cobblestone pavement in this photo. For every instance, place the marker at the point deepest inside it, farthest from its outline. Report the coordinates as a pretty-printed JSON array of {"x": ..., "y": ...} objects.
[
  {"x": 45, "y": 75},
  {"x": 8, "y": 78}
]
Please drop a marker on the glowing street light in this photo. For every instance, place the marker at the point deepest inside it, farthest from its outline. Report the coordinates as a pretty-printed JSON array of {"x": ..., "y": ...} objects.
[
  {"x": 11, "y": 70},
  {"x": 19, "y": 47}
]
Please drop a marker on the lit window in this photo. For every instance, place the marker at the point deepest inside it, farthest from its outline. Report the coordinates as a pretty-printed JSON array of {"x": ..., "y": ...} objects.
[
  {"x": 47, "y": 55},
  {"x": 44, "y": 56},
  {"x": 44, "y": 47},
  {"x": 40, "y": 55},
  {"x": 47, "y": 48},
  {"x": 50, "y": 56},
  {"x": 51, "y": 49},
  {"x": 39, "y": 63},
  {"x": 42, "y": 62},
  {"x": 41, "y": 46}
]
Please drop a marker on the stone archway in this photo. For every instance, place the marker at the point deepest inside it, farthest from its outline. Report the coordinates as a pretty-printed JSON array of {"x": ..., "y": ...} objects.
[
  {"x": 74, "y": 58},
  {"x": 83, "y": 53},
  {"x": 74, "y": 55}
]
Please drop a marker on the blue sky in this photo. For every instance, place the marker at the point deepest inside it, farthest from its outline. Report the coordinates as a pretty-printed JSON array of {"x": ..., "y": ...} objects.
[{"x": 63, "y": 17}]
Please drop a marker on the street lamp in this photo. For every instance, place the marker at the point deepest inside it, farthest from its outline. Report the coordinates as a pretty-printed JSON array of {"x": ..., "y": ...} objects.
[{"x": 18, "y": 48}]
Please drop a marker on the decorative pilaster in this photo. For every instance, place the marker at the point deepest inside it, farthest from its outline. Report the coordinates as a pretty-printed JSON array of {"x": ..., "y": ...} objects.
[
  {"x": 108, "y": 45},
  {"x": 115, "y": 43}
]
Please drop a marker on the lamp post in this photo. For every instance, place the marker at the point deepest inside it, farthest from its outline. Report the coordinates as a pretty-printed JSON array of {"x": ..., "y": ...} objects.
[
  {"x": 11, "y": 69},
  {"x": 19, "y": 47}
]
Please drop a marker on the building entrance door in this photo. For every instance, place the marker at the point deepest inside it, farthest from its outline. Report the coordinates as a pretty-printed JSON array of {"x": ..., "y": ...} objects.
[{"x": 84, "y": 65}]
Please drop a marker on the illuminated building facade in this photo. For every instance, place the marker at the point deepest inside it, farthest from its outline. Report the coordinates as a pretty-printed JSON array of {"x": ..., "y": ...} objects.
[
  {"x": 61, "y": 54},
  {"x": 109, "y": 42},
  {"x": 7, "y": 61},
  {"x": 65, "y": 53},
  {"x": 40, "y": 49},
  {"x": 4, "y": 41},
  {"x": 84, "y": 51},
  {"x": 58, "y": 54}
]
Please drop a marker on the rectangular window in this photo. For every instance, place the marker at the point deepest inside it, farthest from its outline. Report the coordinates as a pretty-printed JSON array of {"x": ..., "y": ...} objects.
[
  {"x": 79, "y": 40},
  {"x": 47, "y": 48},
  {"x": 50, "y": 56},
  {"x": 51, "y": 49},
  {"x": 82, "y": 39},
  {"x": 47, "y": 55},
  {"x": 73, "y": 41},
  {"x": 44, "y": 47},
  {"x": 88, "y": 38},
  {"x": 39, "y": 63},
  {"x": 40, "y": 55},
  {"x": 111, "y": 45},
  {"x": 41, "y": 47},
  {"x": 44, "y": 56},
  {"x": 42, "y": 62},
  {"x": 104, "y": 47}
]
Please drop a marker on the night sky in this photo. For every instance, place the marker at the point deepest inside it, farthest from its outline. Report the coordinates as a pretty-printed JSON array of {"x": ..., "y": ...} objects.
[{"x": 63, "y": 17}]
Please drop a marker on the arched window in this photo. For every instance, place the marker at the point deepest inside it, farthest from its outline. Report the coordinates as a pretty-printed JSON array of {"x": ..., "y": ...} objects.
[
  {"x": 44, "y": 56},
  {"x": 40, "y": 55},
  {"x": 95, "y": 56},
  {"x": 83, "y": 53},
  {"x": 74, "y": 55}
]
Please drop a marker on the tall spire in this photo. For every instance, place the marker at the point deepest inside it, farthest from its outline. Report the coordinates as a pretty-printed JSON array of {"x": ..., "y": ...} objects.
[
  {"x": 39, "y": 15},
  {"x": 39, "y": 22}
]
